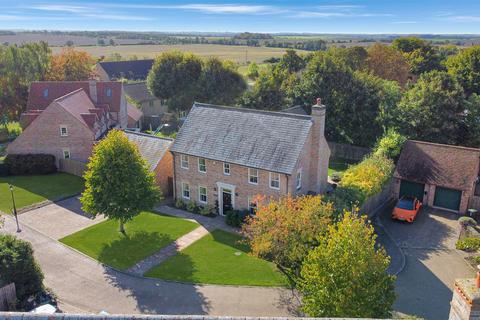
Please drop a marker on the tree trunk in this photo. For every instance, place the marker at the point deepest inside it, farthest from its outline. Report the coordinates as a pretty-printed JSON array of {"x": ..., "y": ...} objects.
[{"x": 122, "y": 227}]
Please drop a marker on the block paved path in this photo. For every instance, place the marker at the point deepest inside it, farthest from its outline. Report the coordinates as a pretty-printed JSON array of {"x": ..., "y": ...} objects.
[{"x": 172, "y": 249}]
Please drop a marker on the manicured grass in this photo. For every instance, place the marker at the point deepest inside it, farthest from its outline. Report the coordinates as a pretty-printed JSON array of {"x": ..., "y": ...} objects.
[
  {"x": 145, "y": 234},
  {"x": 339, "y": 166},
  {"x": 218, "y": 258},
  {"x": 33, "y": 189}
]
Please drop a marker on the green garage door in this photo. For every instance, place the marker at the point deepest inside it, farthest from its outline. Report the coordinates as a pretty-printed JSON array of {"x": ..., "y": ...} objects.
[
  {"x": 447, "y": 198},
  {"x": 409, "y": 189}
]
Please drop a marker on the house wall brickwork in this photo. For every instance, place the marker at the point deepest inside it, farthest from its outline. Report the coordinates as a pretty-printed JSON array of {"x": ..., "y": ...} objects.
[
  {"x": 164, "y": 173},
  {"x": 156, "y": 108},
  {"x": 43, "y": 136}
]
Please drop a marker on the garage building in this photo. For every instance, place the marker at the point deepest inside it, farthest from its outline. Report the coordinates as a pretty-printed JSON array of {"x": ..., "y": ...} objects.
[{"x": 440, "y": 175}]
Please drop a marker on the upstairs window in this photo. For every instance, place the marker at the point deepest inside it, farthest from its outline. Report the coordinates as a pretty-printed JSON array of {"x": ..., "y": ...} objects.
[
  {"x": 252, "y": 176},
  {"x": 45, "y": 93},
  {"x": 108, "y": 92},
  {"x": 202, "y": 194},
  {"x": 274, "y": 180},
  {"x": 226, "y": 168},
  {"x": 185, "y": 190},
  {"x": 202, "y": 165},
  {"x": 299, "y": 179},
  {"x": 184, "y": 161},
  {"x": 63, "y": 131}
]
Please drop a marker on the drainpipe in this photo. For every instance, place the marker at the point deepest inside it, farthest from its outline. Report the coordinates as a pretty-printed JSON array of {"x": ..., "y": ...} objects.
[
  {"x": 174, "y": 178},
  {"x": 287, "y": 182}
]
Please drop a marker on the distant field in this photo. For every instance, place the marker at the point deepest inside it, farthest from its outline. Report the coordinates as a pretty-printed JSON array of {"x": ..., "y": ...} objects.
[{"x": 238, "y": 54}]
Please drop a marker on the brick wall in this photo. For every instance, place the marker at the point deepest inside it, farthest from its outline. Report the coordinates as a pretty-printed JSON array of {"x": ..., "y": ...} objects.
[
  {"x": 163, "y": 172},
  {"x": 43, "y": 136}
]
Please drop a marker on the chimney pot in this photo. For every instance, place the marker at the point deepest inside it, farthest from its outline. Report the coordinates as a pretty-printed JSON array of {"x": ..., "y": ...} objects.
[{"x": 319, "y": 101}]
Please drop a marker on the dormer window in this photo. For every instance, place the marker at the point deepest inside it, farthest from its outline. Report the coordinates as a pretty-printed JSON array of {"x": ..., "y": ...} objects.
[
  {"x": 108, "y": 92},
  {"x": 45, "y": 93},
  {"x": 63, "y": 131}
]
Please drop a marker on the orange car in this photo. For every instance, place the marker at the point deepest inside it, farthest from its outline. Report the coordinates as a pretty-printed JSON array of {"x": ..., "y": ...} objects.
[{"x": 406, "y": 209}]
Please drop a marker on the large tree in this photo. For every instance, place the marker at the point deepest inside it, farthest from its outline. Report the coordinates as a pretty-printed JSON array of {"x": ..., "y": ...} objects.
[
  {"x": 71, "y": 65},
  {"x": 420, "y": 54},
  {"x": 19, "y": 66},
  {"x": 433, "y": 109},
  {"x": 465, "y": 66},
  {"x": 285, "y": 230},
  {"x": 387, "y": 63},
  {"x": 346, "y": 274},
  {"x": 118, "y": 183}
]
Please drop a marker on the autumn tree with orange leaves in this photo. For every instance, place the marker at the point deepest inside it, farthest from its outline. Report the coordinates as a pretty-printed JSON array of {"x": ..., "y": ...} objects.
[
  {"x": 71, "y": 65},
  {"x": 387, "y": 63},
  {"x": 284, "y": 231}
]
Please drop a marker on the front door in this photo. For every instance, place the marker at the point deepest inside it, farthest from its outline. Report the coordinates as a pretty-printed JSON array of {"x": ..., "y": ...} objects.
[{"x": 226, "y": 201}]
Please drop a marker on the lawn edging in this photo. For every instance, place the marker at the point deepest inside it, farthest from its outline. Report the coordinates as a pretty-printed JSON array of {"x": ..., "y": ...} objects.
[{"x": 45, "y": 203}]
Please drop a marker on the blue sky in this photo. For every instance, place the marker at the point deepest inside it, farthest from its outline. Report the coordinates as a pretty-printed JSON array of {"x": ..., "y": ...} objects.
[{"x": 341, "y": 16}]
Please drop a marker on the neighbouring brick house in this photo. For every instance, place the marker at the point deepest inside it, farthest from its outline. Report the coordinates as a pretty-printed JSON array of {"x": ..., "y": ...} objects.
[
  {"x": 225, "y": 156},
  {"x": 66, "y": 119},
  {"x": 439, "y": 175},
  {"x": 155, "y": 151}
]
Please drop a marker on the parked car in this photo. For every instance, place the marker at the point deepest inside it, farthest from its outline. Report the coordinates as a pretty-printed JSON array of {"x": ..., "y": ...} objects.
[{"x": 406, "y": 209}]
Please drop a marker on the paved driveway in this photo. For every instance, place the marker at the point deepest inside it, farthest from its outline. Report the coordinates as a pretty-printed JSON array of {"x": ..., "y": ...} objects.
[
  {"x": 84, "y": 285},
  {"x": 424, "y": 287}
]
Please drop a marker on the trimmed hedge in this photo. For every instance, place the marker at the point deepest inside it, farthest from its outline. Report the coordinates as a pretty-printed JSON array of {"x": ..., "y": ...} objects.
[
  {"x": 27, "y": 164},
  {"x": 236, "y": 218}
]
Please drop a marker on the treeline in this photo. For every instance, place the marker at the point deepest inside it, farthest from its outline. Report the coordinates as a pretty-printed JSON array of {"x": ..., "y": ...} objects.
[{"x": 422, "y": 91}]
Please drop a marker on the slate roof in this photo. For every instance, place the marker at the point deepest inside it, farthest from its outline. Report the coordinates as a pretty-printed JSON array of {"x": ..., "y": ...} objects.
[
  {"x": 299, "y": 109},
  {"x": 151, "y": 148},
  {"x": 439, "y": 164},
  {"x": 138, "y": 91},
  {"x": 258, "y": 139},
  {"x": 130, "y": 70}
]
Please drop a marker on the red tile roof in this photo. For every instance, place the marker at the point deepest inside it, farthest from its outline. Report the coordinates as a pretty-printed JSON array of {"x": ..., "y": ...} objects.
[{"x": 133, "y": 112}]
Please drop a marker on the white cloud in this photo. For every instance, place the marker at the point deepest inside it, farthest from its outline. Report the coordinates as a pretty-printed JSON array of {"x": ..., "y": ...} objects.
[
  {"x": 464, "y": 18},
  {"x": 320, "y": 14},
  {"x": 116, "y": 17},
  {"x": 404, "y": 22},
  {"x": 228, "y": 8},
  {"x": 10, "y": 17},
  {"x": 59, "y": 8}
]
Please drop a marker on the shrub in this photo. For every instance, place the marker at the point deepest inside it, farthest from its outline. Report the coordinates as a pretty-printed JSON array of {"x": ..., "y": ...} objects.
[
  {"x": 236, "y": 218},
  {"x": 468, "y": 244},
  {"x": 390, "y": 145},
  {"x": 14, "y": 129},
  {"x": 18, "y": 265},
  {"x": 336, "y": 177},
  {"x": 25, "y": 164},
  {"x": 180, "y": 204},
  {"x": 192, "y": 206},
  {"x": 207, "y": 210},
  {"x": 466, "y": 222}
]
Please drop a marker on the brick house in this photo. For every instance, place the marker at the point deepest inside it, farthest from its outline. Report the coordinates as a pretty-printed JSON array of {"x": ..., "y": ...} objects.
[
  {"x": 132, "y": 70},
  {"x": 155, "y": 151},
  {"x": 66, "y": 119},
  {"x": 439, "y": 175},
  {"x": 225, "y": 156}
]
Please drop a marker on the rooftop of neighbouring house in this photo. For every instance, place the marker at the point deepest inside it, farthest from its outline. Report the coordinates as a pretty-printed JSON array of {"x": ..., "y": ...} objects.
[
  {"x": 42, "y": 93},
  {"x": 133, "y": 112},
  {"x": 138, "y": 91},
  {"x": 130, "y": 70},
  {"x": 258, "y": 139},
  {"x": 152, "y": 148},
  {"x": 439, "y": 164}
]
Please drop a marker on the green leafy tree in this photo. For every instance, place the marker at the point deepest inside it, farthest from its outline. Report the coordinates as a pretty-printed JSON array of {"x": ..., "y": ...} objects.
[
  {"x": 285, "y": 230},
  {"x": 174, "y": 77},
  {"x": 118, "y": 183},
  {"x": 18, "y": 265},
  {"x": 346, "y": 274},
  {"x": 420, "y": 54},
  {"x": 433, "y": 109},
  {"x": 465, "y": 66},
  {"x": 390, "y": 145},
  {"x": 291, "y": 61},
  {"x": 387, "y": 63},
  {"x": 252, "y": 71}
]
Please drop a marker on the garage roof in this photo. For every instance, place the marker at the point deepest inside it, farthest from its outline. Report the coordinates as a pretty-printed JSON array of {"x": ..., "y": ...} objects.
[{"x": 439, "y": 164}]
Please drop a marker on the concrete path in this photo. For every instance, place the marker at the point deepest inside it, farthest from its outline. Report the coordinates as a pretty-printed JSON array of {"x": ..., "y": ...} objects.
[
  {"x": 59, "y": 219},
  {"x": 84, "y": 285},
  {"x": 172, "y": 249}
]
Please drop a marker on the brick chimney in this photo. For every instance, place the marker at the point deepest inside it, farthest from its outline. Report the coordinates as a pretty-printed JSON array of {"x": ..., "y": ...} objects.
[
  {"x": 465, "y": 304},
  {"x": 92, "y": 87},
  {"x": 320, "y": 150}
]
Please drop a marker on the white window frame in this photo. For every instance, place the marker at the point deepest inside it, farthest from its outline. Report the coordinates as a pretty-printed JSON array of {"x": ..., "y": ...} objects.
[
  {"x": 204, "y": 165},
  {"x": 61, "y": 131},
  {"x": 45, "y": 93},
  {"x": 271, "y": 180},
  {"x": 226, "y": 168},
  {"x": 298, "y": 181},
  {"x": 200, "y": 195},
  {"x": 250, "y": 175},
  {"x": 185, "y": 187},
  {"x": 108, "y": 92},
  {"x": 184, "y": 160},
  {"x": 250, "y": 207},
  {"x": 66, "y": 151}
]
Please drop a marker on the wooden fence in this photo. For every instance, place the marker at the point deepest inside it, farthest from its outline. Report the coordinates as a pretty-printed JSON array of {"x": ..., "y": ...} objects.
[
  {"x": 347, "y": 151},
  {"x": 71, "y": 166},
  {"x": 377, "y": 202},
  {"x": 8, "y": 297}
]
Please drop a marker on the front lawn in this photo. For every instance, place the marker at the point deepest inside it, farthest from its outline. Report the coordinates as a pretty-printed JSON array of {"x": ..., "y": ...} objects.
[
  {"x": 145, "y": 234},
  {"x": 218, "y": 258},
  {"x": 33, "y": 189}
]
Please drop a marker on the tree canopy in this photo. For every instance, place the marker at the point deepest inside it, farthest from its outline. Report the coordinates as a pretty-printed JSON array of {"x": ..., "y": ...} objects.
[
  {"x": 387, "y": 63},
  {"x": 465, "y": 66},
  {"x": 71, "y": 65},
  {"x": 420, "y": 54},
  {"x": 118, "y": 183}
]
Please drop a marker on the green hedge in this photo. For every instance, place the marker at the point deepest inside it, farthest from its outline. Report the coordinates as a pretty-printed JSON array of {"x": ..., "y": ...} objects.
[{"x": 27, "y": 164}]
